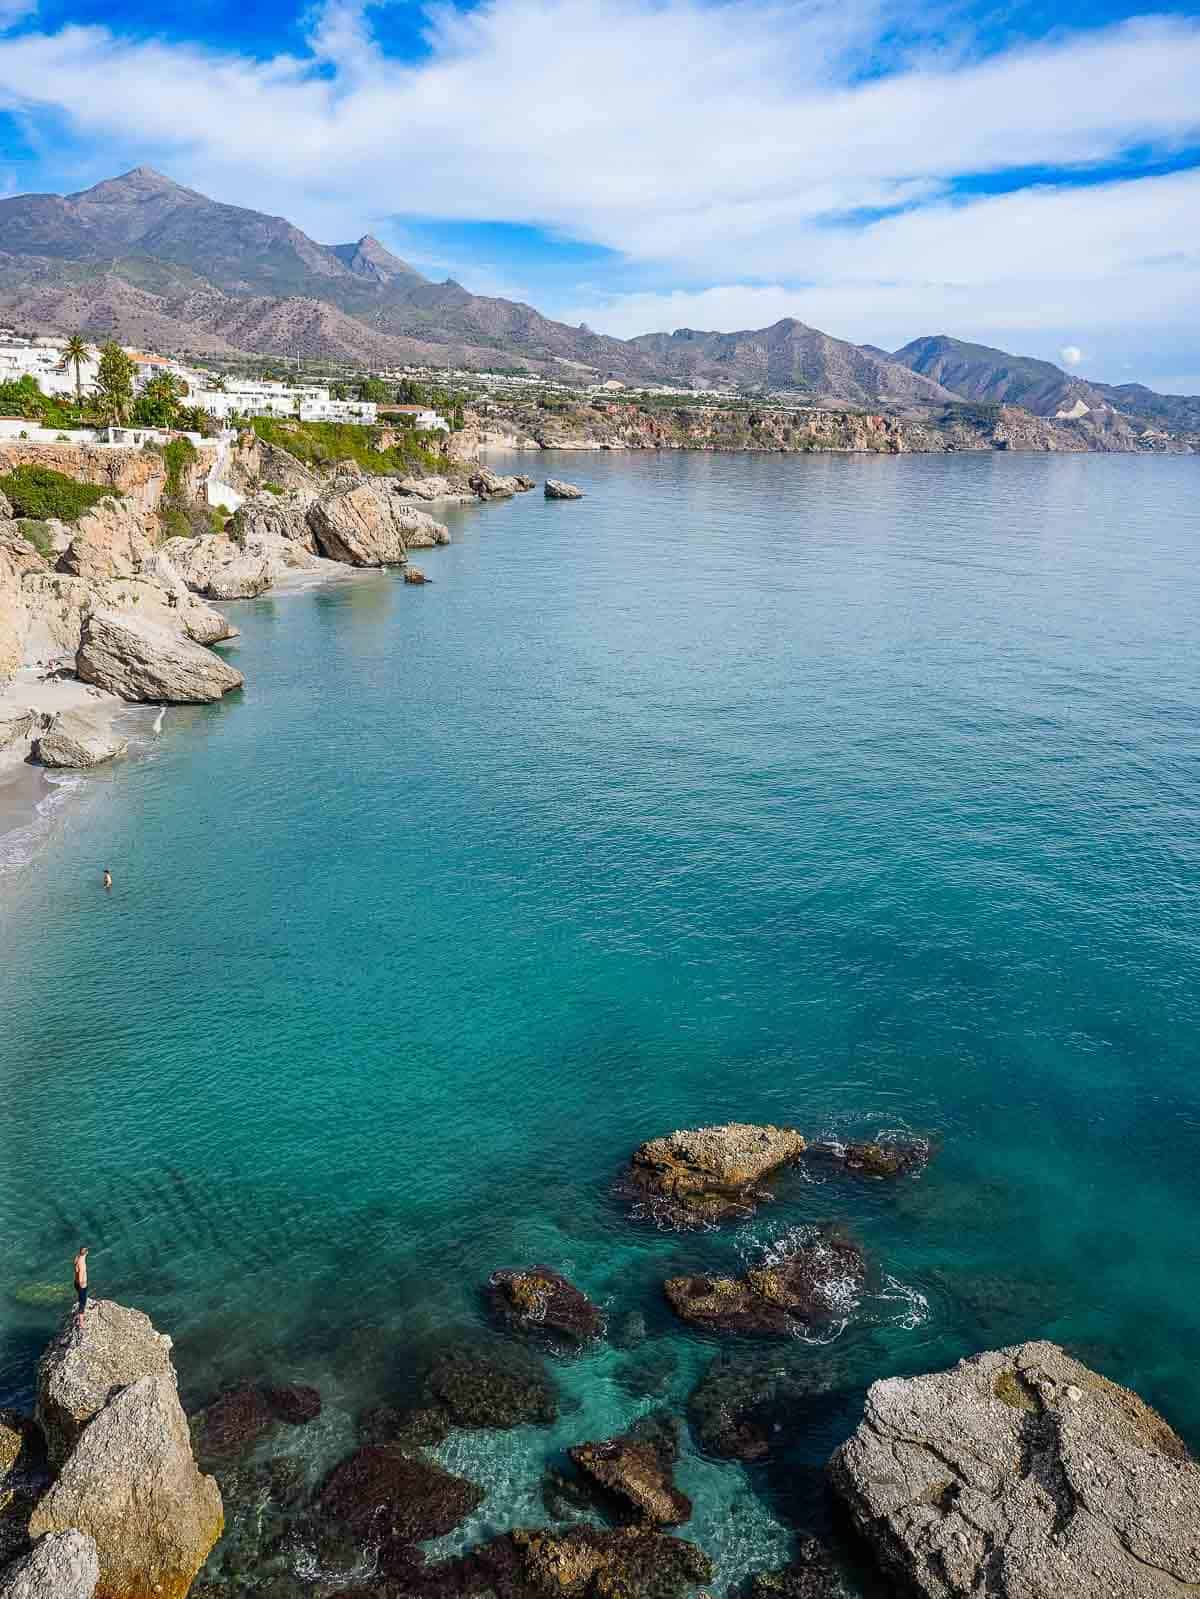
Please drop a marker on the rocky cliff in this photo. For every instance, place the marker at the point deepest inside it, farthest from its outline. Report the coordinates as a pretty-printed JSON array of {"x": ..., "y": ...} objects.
[{"x": 630, "y": 425}]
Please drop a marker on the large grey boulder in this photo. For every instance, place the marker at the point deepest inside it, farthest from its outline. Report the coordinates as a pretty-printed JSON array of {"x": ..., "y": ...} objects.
[
  {"x": 432, "y": 488},
  {"x": 218, "y": 567},
  {"x": 489, "y": 485},
  {"x": 132, "y": 1484},
  {"x": 173, "y": 605},
  {"x": 79, "y": 738},
  {"x": 82, "y": 1368},
  {"x": 140, "y": 661},
  {"x": 62, "y": 1565},
  {"x": 1021, "y": 1474},
  {"x": 556, "y": 489},
  {"x": 362, "y": 523}
]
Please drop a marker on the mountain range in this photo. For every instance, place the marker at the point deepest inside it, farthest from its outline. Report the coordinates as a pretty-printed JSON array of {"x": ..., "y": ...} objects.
[{"x": 146, "y": 260}]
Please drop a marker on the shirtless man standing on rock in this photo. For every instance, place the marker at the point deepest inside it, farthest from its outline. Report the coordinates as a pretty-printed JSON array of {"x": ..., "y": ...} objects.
[{"x": 81, "y": 1286}]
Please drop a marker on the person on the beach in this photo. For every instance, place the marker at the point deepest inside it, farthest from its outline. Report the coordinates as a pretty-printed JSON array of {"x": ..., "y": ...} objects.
[
  {"x": 81, "y": 1282},
  {"x": 107, "y": 878}
]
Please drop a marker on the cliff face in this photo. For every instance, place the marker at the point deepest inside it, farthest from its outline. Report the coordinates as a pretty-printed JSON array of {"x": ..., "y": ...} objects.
[
  {"x": 624, "y": 424},
  {"x": 140, "y": 475}
]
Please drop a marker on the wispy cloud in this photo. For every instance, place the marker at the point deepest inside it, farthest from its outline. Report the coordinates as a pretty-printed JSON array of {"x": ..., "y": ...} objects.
[{"x": 734, "y": 144}]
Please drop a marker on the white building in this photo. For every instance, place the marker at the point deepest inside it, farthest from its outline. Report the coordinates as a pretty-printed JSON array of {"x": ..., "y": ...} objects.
[
  {"x": 19, "y": 358},
  {"x": 327, "y": 410},
  {"x": 423, "y": 419}
]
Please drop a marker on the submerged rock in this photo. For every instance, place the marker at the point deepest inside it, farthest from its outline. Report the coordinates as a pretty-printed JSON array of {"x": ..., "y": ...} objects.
[
  {"x": 78, "y": 738},
  {"x": 558, "y": 490},
  {"x": 81, "y": 1370},
  {"x": 703, "y": 1175},
  {"x": 746, "y": 1404},
  {"x": 1021, "y": 1473},
  {"x": 141, "y": 662},
  {"x": 294, "y": 1403},
  {"x": 383, "y": 1492},
  {"x": 811, "y": 1575},
  {"x": 582, "y": 1562},
  {"x": 542, "y": 1303},
  {"x": 62, "y": 1565},
  {"x": 808, "y": 1282},
  {"x": 131, "y": 1483},
  {"x": 478, "y": 1387},
  {"x": 232, "y": 1422},
  {"x": 882, "y": 1157},
  {"x": 635, "y": 1471}
]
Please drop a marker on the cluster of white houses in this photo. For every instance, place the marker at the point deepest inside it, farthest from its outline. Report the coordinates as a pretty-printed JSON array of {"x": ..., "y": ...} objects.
[{"x": 44, "y": 359}]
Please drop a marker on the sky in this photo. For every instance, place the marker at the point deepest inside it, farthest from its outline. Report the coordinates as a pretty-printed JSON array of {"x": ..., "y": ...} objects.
[{"x": 1025, "y": 175}]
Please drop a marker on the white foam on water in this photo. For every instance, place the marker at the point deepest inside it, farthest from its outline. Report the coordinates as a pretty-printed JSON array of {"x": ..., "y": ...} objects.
[
  {"x": 18, "y": 847},
  {"x": 915, "y": 1312}
]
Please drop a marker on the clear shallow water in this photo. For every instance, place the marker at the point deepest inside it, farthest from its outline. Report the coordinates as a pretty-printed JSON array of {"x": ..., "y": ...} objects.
[{"x": 851, "y": 793}]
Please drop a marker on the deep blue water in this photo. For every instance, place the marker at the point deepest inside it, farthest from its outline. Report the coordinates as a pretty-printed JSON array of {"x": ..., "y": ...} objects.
[{"x": 853, "y": 793}]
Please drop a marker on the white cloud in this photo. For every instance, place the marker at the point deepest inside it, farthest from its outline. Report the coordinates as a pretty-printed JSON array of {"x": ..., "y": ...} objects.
[
  {"x": 14, "y": 11},
  {"x": 729, "y": 144},
  {"x": 1071, "y": 355}
]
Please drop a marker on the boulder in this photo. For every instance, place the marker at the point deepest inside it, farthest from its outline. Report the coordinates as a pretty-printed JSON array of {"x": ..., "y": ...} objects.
[
  {"x": 556, "y": 489},
  {"x": 413, "y": 574},
  {"x": 219, "y": 567},
  {"x": 110, "y": 540},
  {"x": 488, "y": 485},
  {"x": 582, "y": 1562},
  {"x": 276, "y": 516},
  {"x": 1020, "y": 1474},
  {"x": 139, "y": 661},
  {"x": 387, "y": 1494},
  {"x": 62, "y": 1565},
  {"x": 635, "y": 1472},
  {"x": 429, "y": 488},
  {"x": 805, "y": 1283},
  {"x": 131, "y": 1483},
  {"x": 80, "y": 1372},
  {"x": 543, "y": 1304},
  {"x": 704, "y": 1175},
  {"x": 175, "y": 606},
  {"x": 360, "y": 522},
  {"x": 79, "y": 738}
]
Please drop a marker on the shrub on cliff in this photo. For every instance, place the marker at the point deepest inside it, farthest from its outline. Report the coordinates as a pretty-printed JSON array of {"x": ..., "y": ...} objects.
[
  {"x": 320, "y": 444},
  {"x": 40, "y": 492}
]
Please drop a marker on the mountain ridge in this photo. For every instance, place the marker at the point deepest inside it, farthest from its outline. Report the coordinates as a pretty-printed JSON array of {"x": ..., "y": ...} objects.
[{"x": 147, "y": 260}]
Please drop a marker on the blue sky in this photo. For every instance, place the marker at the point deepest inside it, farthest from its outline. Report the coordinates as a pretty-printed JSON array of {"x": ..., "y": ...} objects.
[{"x": 1022, "y": 175}]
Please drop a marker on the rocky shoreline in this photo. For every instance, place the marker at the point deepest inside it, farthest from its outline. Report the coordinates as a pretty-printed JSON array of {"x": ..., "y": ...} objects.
[
  {"x": 115, "y": 610},
  {"x": 1020, "y": 1473}
]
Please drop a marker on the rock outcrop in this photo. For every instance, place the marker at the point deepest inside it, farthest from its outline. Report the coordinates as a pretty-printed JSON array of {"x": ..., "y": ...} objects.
[
  {"x": 1022, "y": 1474},
  {"x": 432, "y": 488},
  {"x": 219, "y": 568},
  {"x": 141, "y": 662},
  {"x": 704, "y": 1175},
  {"x": 542, "y": 1303},
  {"x": 488, "y": 485},
  {"x": 635, "y": 1472},
  {"x": 77, "y": 1376},
  {"x": 809, "y": 1282},
  {"x": 113, "y": 539},
  {"x": 78, "y": 738},
  {"x": 360, "y": 522},
  {"x": 130, "y": 1483},
  {"x": 62, "y": 1565},
  {"x": 556, "y": 489}
]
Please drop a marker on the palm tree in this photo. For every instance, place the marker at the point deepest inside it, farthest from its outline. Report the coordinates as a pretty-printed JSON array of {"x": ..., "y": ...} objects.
[{"x": 77, "y": 351}]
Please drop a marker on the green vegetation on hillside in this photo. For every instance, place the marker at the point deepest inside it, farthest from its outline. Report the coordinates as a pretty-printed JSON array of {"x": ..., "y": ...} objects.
[
  {"x": 24, "y": 398},
  {"x": 320, "y": 444},
  {"x": 40, "y": 492}
]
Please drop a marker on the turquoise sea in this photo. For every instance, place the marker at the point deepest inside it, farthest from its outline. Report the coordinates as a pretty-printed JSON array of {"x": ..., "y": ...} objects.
[{"x": 851, "y": 793}]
